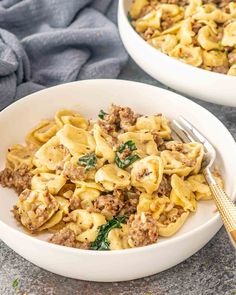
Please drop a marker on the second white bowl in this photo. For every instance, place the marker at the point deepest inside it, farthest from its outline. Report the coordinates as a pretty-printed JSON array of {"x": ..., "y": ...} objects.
[{"x": 199, "y": 83}]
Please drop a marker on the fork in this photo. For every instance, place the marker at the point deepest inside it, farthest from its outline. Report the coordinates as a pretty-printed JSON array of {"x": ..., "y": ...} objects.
[{"x": 186, "y": 132}]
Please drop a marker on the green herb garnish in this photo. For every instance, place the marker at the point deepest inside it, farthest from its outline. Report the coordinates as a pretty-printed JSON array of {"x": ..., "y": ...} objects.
[
  {"x": 15, "y": 283},
  {"x": 169, "y": 139},
  {"x": 102, "y": 242},
  {"x": 129, "y": 159},
  {"x": 128, "y": 144},
  {"x": 89, "y": 161},
  {"x": 129, "y": 17},
  {"x": 102, "y": 115}
]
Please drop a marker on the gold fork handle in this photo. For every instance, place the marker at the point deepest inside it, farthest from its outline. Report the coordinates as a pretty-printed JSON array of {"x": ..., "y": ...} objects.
[{"x": 224, "y": 204}]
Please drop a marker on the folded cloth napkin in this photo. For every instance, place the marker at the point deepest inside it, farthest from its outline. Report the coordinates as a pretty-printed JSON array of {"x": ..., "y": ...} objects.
[{"x": 48, "y": 42}]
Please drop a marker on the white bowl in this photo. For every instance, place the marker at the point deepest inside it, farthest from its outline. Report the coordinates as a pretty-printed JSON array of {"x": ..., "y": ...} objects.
[
  {"x": 196, "y": 82},
  {"x": 89, "y": 97}
]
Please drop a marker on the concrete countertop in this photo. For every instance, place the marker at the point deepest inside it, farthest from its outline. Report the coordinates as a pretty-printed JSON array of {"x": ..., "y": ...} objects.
[{"x": 210, "y": 271}]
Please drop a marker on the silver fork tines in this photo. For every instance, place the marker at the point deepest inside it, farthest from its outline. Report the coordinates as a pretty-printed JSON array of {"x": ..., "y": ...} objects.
[
  {"x": 187, "y": 132},
  {"x": 184, "y": 127}
]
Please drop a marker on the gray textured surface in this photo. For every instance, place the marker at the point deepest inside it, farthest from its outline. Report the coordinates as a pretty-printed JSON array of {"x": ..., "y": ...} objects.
[{"x": 210, "y": 271}]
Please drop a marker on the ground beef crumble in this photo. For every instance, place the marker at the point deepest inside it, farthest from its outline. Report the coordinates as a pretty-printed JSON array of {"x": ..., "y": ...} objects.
[
  {"x": 117, "y": 119},
  {"x": 232, "y": 57},
  {"x": 171, "y": 216},
  {"x": 142, "y": 230},
  {"x": 159, "y": 141},
  {"x": 177, "y": 2},
  {"x": 164, "y": 187},
  {"x": 74, "y": 172},
  {"x": 66, "y": 237},
  {"x": 131, "y": 199},
  {"x": 18, "y": 179},
  {"x": 110, "y": 204}
]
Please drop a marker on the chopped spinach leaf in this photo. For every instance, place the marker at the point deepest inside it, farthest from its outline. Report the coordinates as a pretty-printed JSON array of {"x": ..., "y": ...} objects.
[
  {"x": 15, "y": 283},
  {"x": 128, "y": 144},
  {"x": 169, "y": 139},
  {"x": 89, "y": 161},
  {"x": 102, "y": 242},
  {"x": 102, "y": 115},
  {"x": 129, "y": 17},
  {"x": 129, "y": 159}
]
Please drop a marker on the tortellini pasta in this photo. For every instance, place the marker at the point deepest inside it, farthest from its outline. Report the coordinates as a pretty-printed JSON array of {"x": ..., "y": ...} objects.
[
  {"x": 19, "y": 155},
  {"x": 157, "y": 123},
  {"x": 197, "y": 33},
  {"x": 189, "y": 55},
  {"x": 42, "y": 133},
  {"x": 51, "y": 155},
  {"x": 111, "y": 177},
  {"x": 118, "y": 238},
  {"x": 143, "y": 140},
  {"x": 77, "y": 140},
  {"x": 48, "y": 181},
  {"x": 85, "y": 194},
  {"x": 181, "y": 194},
  {"x": 70, "y": 117},
  {"x": 147, "y": 173},
  {"x": 171, "y": 228},
  {"x": 35, "y": 207},
  {"x": 229, "y": 38},
  {"x": 166, "y": 42},
  {"x": 116, "y": 183},
  {"x": 103, "y": 148},
  {"x": 86, "y": 224},
  {"x": 187, "y": 160},
  {"x": 152, "y": 204}
]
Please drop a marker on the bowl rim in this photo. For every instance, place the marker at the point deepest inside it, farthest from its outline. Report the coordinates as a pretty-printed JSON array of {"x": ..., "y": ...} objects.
[
  {"x": 213, "y": 220},
  {"x": 197, "y": 70}
]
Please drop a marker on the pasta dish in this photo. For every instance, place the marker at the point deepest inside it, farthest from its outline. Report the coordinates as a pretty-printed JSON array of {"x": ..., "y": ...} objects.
[
  {"x": 119, "y": 182},
  {"x": 201, "y": 33}
]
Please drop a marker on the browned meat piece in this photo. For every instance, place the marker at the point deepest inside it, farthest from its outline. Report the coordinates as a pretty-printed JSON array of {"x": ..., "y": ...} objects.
[
  {"x": 110, "y": 204},
  {"x": 196, "y": 27},
  {"x": 232, "y": 57},
  {"x": 166, "y": 23},
  {"x": 18, "y": 179},
  {"x": 117, "y": 119},
  {"x": 142, "y": 230},
  {"x": 165, "y": 187},
  {"x": 74, "y": 172},
  {"x": 177, "y": 2},
  {"x": 174, "y": 146},
  {"x": 221, "y": 69},
  {"x": 148, "y": 33},
  {"x": 172, "y": 215},
  {"x": 74, "y": 203},
  {"x": 65, "y": 237},
  {"x": 131, "y": 203},
  {"x": 189, "y": 162},
  {"x": 159, "y": 141},
  {"x": 34, "y": 208}
]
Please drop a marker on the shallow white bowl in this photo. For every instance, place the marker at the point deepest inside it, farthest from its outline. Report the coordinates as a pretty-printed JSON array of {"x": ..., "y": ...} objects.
[
  {"x": 196, "y": 82},
  {"x": 89, "y": 97}
]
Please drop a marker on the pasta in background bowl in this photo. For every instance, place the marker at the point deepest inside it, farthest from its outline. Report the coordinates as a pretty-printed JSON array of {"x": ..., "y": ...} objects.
[
  {"x": 200, "y": 35},
  {"x": 138, "y": 159}
]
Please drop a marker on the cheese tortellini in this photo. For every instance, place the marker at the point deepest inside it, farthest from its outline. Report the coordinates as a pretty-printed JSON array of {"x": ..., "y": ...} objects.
[
  {"x": 116, "y": 183},
  {"x": 195, "y": 32},
  {"x": 146, "y": 174}
]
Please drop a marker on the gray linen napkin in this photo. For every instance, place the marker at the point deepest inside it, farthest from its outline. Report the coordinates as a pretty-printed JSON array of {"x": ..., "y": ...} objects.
[{"x": 48, "y": 42}]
